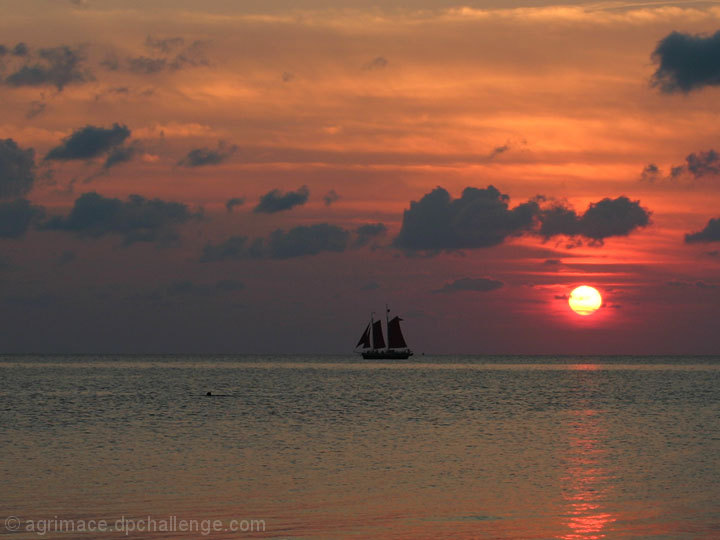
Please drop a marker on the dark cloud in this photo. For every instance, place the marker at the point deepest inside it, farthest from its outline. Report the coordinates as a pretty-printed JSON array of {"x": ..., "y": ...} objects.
[
  {"x": 330, "y": 197},
  {"x": 17, "y": 169},
  {"x": 479, "y": 218},
  {"x": 199, "y": 157},
  {"x": 686, "y": 62},
  {"x": 552, "y": 262},
  {"x": 499, "y": 150},
  {"x": 57, "y": 66},
  {"x": 89, "y": 142},
  {"x": 229, "y": 285},
  {"x": 146, "y": 66},
  {"x": 169, "y": 54},
  {"x": 111, "y": 62},
  {"x": 181, "y": 288},
  {"x": 66, "y": 257},
  {"x": 17, "y": 216},
  {"x": 698, "y": 284},
  {"x": 306, "y": 240},
  {"x": 230, "y": 204},
  {"x": 120, "y": 154},
  {"x": 137, "y": 220},
  {"x": 280, "y": 244},
  {"x": 698, "y": 165},
  {"x": 650, "y": 173},
  {"x": 234, "y": 248},
  {"x": 703, "y": 163},
  {"x": 370, "y": 286},
  {"x": 471, "y": 284},
  {"x": 36, "y": 109},
  {"x": 277, "y": 201},
  {"x": 166, "y": 45},
  {"x": 366, "y": 233},
  {"x": 482, "y": 218},
  {"x": 711, "y": 233},
  {"x": 376, "y": 63},
  {"x": 603, "y": 219},
  {"x": 21, "y": 49}
]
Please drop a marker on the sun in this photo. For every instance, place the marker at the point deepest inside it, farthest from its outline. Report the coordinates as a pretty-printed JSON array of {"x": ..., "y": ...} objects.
[{"x": 585, "y": 300}]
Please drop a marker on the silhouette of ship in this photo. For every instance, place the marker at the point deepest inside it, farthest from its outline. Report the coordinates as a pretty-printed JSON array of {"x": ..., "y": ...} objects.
[{"x": 375, "y": 348}]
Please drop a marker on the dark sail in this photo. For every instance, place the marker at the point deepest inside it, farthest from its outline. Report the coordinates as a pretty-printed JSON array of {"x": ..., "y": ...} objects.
[
  {"x": 395, "y": 337},
  {"x": 378, "y": 339},
  {"x": 365, "y": 339}
]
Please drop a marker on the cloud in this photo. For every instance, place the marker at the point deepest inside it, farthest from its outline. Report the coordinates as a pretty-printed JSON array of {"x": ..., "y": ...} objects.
[
  {"x": 89, "y": 142},
  {"x": 36, "y": 109},
  {"x": 699, "y": 284},
  {"x": 57, "y": 66},
  {"x": 199, "y": 157},
  {"x": 277, "y": 201},
  {"x": 183, "y": 288},
  {"x": 482, "y": 218},
  {"x": 146, "y": 66},
  {"x": 229, "y": 285},
  {"x": 137, "y": 220},
  {"x": 471, "y": 284},
  {"x": 499, "y": 150},
  {"x": 17, "y": 216},
  {"x": 120, "y": 154},
  {"x": 698, "y": 165},
  {"x": 686, "y": 62},
  {"x": 307, "y": 240},
  {"x": 650, "y": 173},
  {"x": 366, "y": 233},
  {"x": 370, "y": 286},
  {"x": 230, "y": 204},
  {"x": 711, "y": 233},
  {"x": 280, "y": 244},
  {"x": 552, "y": 262},
  {"x": 169, "y": 54},
  {"x": 17, "y": 169},
  {"x": 166, "y": 45},
  {"x": 376, "y": 63},
  {"x": 330, "y": 197},
  {"x": 234, "y": 248},
  {"x": 66, "y": 257},
  {"x": 479, "y": 218},
  {"x": 603, "y": 219},
  {"x": 21, "y": 49}
]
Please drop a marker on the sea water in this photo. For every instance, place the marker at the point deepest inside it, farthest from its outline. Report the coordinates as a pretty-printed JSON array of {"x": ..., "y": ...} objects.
[{"x": 333, "y": 447}]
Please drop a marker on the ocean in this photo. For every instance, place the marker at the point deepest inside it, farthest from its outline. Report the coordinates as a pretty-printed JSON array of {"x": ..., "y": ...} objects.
[{"x": 333, "y": 447}]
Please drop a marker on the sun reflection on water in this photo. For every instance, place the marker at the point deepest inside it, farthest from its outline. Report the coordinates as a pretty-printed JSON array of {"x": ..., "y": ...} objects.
[{"x": 588, "y": 480}]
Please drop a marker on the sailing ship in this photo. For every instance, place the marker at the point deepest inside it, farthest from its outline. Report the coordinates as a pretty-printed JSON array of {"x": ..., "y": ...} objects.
[{"x": 372, "y": 342}]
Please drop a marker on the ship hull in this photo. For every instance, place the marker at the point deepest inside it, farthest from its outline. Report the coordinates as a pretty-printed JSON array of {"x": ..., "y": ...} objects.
[{"x": 387, "y": 355}]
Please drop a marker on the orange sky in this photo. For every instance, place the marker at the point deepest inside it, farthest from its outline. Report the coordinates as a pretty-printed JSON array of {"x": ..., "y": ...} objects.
[{"x": 380, "y": 106}]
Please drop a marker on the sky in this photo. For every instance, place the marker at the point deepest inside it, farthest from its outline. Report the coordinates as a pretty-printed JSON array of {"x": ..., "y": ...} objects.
[{"x": 259, "y": 177}]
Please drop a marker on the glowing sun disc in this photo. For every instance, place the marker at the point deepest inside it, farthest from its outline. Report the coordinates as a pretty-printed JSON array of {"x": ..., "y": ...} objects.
[{"x": 585, "y": 300}]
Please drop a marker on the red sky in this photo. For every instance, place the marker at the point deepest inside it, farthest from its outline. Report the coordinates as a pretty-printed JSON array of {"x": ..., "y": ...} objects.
[{"x": 369, "y": 109}]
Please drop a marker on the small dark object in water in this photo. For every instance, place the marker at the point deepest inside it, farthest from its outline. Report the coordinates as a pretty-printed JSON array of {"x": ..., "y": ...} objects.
[{"x": 209, "y": 394}]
